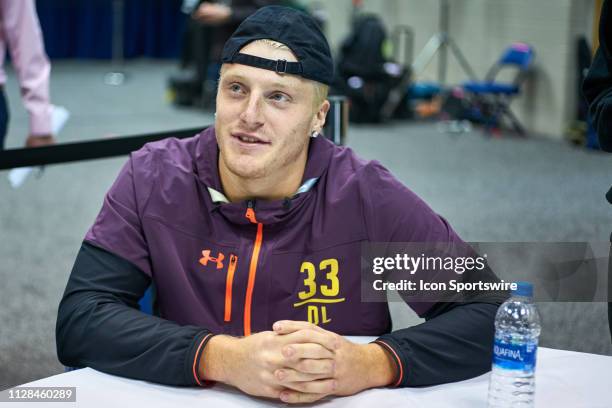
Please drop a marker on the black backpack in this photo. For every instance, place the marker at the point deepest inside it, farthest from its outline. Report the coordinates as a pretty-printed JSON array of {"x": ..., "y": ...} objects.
[{"x": 361, "y": 53}]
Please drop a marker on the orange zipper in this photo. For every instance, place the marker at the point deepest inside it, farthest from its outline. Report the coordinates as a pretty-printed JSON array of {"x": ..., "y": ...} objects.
[
  {"x": 228, "y": 287},
  {"x": 250, "y": 214}
]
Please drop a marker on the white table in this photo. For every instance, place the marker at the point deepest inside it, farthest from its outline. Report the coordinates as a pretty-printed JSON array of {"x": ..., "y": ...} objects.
[{"x": 563, "y": 379}]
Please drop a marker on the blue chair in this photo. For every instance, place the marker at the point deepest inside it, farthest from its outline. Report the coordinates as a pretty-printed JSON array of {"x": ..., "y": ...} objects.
[
  {"x": 492, "y": 98},
  {"x": 147, "y": 301}
]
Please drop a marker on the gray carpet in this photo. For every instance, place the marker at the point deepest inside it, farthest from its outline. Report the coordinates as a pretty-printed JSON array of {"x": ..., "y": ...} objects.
[{"x": 489, "y": 189}]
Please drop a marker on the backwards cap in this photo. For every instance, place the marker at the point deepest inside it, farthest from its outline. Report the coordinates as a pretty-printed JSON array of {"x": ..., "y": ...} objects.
[{"x": 297, "y": 30}]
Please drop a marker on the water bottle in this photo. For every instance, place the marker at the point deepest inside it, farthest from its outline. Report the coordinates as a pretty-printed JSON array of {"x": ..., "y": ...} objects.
[{"x": 517, "y": 327}]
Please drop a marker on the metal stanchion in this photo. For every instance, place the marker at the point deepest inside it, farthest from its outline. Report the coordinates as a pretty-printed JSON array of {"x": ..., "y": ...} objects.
[
  {"x": 336, "y": 123},
  {"x": 117, "y": 76},
  {"x": 438, "y": 44}
]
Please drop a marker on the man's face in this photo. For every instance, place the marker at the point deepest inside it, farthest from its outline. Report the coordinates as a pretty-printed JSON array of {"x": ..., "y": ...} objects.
[{"x": 264, "y": 119}]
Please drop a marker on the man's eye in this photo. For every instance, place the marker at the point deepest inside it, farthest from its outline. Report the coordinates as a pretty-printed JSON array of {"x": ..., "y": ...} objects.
[
  {"x": 235, "y": 88},
  {"x": 279, "y": 97}
]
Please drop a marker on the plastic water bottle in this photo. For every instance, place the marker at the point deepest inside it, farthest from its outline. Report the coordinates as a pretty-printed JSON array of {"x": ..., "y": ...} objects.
[{"x": 517, "y": 328}]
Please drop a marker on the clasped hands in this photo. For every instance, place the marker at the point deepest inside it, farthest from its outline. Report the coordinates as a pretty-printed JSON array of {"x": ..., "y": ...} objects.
[{"x": 296, "y": 362}]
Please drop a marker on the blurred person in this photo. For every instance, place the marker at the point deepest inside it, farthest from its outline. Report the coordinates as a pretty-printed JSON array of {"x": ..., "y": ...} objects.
[
  {"x": 225, "y": 16},
  {"x": 243, "y": 228},
  {"x": 598, "y": 92},
  {"x": 211, "y": 24},
  {"x": 20, "y": 33}
]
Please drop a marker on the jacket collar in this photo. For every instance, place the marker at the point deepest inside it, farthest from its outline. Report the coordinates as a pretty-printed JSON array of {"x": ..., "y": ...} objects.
[
  {"x": 320, "y": 151},
  {"x": 218, "y": 197}
]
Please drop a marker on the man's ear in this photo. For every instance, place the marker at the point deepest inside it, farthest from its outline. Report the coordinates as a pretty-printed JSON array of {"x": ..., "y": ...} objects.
[{"x": 321, "y": 114}]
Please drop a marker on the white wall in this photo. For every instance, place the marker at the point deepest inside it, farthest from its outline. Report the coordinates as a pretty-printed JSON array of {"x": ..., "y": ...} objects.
[{"x": 482, "y": 29}]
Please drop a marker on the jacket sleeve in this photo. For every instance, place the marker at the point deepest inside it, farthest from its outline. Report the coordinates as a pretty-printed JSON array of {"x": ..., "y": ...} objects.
[
  {"x": 456, "y": 340},
  {"x": 597, "y": 87},
  {"x": 453, "y": 344},
  {"x": 99, "y": 325}
]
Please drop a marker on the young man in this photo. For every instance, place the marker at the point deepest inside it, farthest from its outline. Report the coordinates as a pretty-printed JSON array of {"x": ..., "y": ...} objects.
[
  {"x": 597, "y": 86},
  {"x": 251, "y": 232}
]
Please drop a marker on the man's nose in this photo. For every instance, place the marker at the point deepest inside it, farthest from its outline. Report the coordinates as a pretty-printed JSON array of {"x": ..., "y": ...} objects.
[{"x": 252, "y": 115}]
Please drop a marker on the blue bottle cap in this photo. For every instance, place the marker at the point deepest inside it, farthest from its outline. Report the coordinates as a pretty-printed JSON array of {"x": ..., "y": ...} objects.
[{"x": 523, "y": 289}]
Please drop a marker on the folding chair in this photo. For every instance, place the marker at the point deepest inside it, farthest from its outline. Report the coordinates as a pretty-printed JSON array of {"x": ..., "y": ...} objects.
[{"x": 492, "y": 98}]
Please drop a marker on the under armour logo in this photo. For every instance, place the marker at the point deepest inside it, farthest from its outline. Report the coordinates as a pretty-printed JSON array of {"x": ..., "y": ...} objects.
[{"x": 206, "y": 257}]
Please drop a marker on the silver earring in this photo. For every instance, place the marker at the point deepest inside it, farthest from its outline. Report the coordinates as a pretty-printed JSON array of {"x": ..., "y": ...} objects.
[{"x": 314, "y": 133}]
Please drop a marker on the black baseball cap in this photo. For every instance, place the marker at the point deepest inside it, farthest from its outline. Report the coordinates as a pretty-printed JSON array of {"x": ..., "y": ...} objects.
[{"x": 294, "y": 28}]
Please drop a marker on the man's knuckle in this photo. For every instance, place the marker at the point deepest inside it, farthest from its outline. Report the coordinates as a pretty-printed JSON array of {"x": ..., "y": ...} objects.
[
  {"x": 305, "y": 365},
  {"x": 262, "y": 376},
  {"x": 292, "y": 398},
  {"x": 303, "y": 386},
  {"x": 271, "y": 364},
  {"x": 269, "y": 391},
  {"x": 322, "y": 351},
  {"x": 267, "y": 361},
  {"x": 265, "y": 340},
  {"x": 286, "y": 376},
  {"x": 298, "y": 349}
]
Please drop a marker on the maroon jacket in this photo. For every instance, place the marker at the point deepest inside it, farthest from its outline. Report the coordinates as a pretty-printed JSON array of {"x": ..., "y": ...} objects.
[{"x": 236, "y": 268}]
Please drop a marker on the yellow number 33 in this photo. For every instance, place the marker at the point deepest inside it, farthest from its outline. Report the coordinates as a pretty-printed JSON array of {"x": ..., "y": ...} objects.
[{"x": 327, "y": 265}]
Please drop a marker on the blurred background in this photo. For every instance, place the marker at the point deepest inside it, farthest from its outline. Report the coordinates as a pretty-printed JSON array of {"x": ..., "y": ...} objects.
[{"x": 474, "y": 104}]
